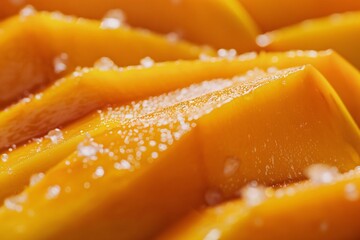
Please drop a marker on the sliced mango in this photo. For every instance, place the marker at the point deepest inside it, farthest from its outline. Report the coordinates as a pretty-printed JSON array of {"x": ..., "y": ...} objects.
[
  {"x": 149, "y": 171},
  {"x": 95, "y": 88},
  {"x": 333, "y": 67},
  {"x": 274, "y": 14},
  {"x": 338, "y": 32},
  {"x": 231, "y": 27},
  {"x": 303, "y": 211},
  {"x": 38, "y": 49},
  {"x": 40, "y": 156}
]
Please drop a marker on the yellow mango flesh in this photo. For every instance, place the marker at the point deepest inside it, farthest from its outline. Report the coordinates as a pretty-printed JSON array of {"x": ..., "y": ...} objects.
[
  {"x": 29, "y": 47},
  {"x": 303, "y": 211},
  {"x": 270, "y": 15},
  {"x": 41, "y": 154},
  {"x": 231, "y": 27},
  {"x": 169, "y": 159},
  {"x": 339, "y": 32},
  {"x": 38, "y": 157},
  {"x": 96, "y": 88}
]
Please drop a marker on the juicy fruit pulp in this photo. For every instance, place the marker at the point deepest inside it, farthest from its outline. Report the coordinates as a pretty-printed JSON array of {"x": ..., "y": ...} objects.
[
  {"x": 112, "y": 142},
  {"x": 142, "y": 152},
  {"x": 231, "y": 26},
  {"x": 305, "y": 206}
]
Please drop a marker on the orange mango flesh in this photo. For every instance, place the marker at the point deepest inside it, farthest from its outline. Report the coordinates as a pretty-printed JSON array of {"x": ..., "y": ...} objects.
[
  {"x": 304, "y": 211},
  {"x": 273, "y": 149},
  {"x": 170, "y": 175},
  {"x": 38, "y": 157},
  {"x": 29, "y": 46},
  {"x": 231, "y": 27},
  {"x": 96, "y": 88},
  {"x": 274, "y": 14},
  {"x": 333, "y": 67},
  {"x": 339, "y": 32},
  {"x": 41, "y": 154}
]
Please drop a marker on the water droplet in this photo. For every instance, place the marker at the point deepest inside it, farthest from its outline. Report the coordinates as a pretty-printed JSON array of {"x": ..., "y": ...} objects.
[
  {"x": 173, "y": 37},
  {"x": 4, "y": 157},
  {"x": 27, "y": 11},
  {"x": 213, "y": 234},
  {"x": 147, "y": 62},
  {"x": 122, "y": 165},
  {"x": 351, "y": 192},
  {"x": 104, "y": 64},
  {"x": 204, "y": 57},
  {"x": 99, "y": 172},
  {"x": 263, "y": 40},
  {"x": 154, "y": 155},
  {"x": 321, "y": 173},
  {"x": 113, "y": 19},
  {"x": 231, "y": 165},
  {"x": 55, "y": 136},
  {"x": 162, "y": 147},
  {"x": 312, "y": 53},
  {"x": 227, "y": 54},
  {"x": 15, "y": 202},
  {"x": 60, "y": 63},
  {"x": 53, "y": 192},
  {"x": 272, "y": 69},
  {"x": 88, "y": 148},
  {"x": 36, "y": 178},
  {"x": 253, "y": 194}
]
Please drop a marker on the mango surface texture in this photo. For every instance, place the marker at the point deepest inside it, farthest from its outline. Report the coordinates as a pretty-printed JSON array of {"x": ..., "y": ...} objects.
[{"x": 179, "y": 119}]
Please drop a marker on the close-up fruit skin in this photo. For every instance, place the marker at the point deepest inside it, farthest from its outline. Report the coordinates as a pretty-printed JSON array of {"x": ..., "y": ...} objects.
[{"x": 179, "y": 119}]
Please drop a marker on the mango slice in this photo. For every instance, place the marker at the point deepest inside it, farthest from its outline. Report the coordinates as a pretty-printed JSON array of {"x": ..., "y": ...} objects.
[
  {"x": 38, "y": 49},
  {"x": 149, "y": 171},
  {"x": 39, "y": 156},
  {"x": 303, "y": 211},
  {"x": 338, "y": 32},
  {"x": 96, "y": 88},
  {"x": 231, "y": 27},
  {"x": 269, "y": 15}
]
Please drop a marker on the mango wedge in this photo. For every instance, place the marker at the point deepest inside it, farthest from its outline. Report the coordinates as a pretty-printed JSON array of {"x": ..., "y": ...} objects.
[
  {"x": 95, "y": 88},
  {"x": 42, "y": 154},
  {"x": 231, "y": 27},
  {"x": 338, "y": 32},
  {"x": 149, "y": 171},
  {"x": 271, "y": 15},
  {"x": 308, "y": 210},
  {"x": 38, "y": 49}
]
